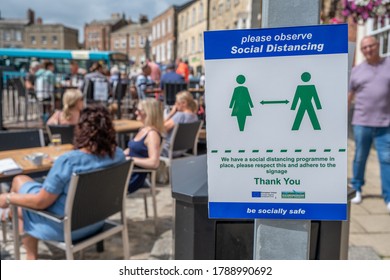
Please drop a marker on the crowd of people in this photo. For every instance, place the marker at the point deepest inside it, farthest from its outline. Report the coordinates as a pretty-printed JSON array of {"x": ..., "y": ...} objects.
[
  {"x": 101, "y": 84},
  {"x": 95, "y": 144}
]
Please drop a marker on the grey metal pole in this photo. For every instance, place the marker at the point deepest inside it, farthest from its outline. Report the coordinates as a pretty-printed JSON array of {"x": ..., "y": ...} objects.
[{"x": 285, "y": 239}]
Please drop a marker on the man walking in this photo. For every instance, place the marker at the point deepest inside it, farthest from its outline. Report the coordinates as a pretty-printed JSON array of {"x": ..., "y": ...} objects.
[{"x": 370, "y": 90}]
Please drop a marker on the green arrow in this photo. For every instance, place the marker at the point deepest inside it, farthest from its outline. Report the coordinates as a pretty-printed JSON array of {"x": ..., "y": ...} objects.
[{"x": 274, "y": 102}]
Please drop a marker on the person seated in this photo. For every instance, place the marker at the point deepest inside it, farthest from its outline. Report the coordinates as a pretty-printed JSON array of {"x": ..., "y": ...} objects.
[
  {"x": 144, "y": 148},
  {"x": 95, "y": 147},
  {"x": 143, "y": 82},
  {"x": 170, "y": 76},
  {"x": 184, "y": 111},
  {"x": 72, "y": 105}
]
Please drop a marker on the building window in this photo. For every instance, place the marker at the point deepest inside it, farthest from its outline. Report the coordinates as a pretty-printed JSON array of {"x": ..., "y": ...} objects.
[
  {"x": 44, "y": 40},
  {"x": 220, "y": 9},
  {"x": 141, "y": 41},
  {"x": 201, "y": 12},
  {"x": 214, "y": 12},
  {"x": 169, "y": 50},
  {"x": 192, "y": 44},
  {"x": 180, "y": 50},
  {"x": 163, "y": 28},
  {"x": 244, "y": 23},
  {"x": 169, "y": 24},
  {"x": 158, "y": 57},
  {"x": 193, "y": 20},
  {"x": 185, "y": 48},
  {"x": 7, "y": 36},
  {"x": 187, "y": 20},
  {"x": 132, "y": 42},
  {"x": 200, "y": 42},
  {"x": 158, "y": 30},
  {"x": 162, "y": 52},
  {"x": 227, "y": 6},
  {"x": 182, "y": 26},
  {"x": 54, "y": 40},
  {"x": 18, "y": 36},
  {"x": 123, "y": 43},
  {"x": 154, "y": 32},
  {"x": 33, "y": 41},
  {"x": 116, "y": 44},
  {"x": 236, "y": 2}
]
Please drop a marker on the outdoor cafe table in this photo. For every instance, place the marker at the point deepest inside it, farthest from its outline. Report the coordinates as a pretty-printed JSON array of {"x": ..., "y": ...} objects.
[
  {"x": 20, "y": 157},
  {"x": 124, "y": 126}
]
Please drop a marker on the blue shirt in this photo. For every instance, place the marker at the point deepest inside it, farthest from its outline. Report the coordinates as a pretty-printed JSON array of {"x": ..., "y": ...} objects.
[
  {"x": 57, "y": 182},
  {"x": 171, "y": 77}
]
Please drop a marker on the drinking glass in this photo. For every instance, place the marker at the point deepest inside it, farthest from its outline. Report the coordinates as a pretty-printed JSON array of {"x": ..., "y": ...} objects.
[{"x": 56, "y": 141}]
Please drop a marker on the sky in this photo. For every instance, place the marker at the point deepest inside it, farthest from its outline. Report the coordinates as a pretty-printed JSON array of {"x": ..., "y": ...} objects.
[{"x": 75, "y": 13}]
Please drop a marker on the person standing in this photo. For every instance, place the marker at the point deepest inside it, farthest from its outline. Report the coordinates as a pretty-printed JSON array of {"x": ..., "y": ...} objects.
[
  {"x": 182, "y": 69},
  {"x": 370, "y": 91},
  {"x": 155, "y": 72},
  {"x": 30, "y": 78},
  {"x": 144, "y": 82}
]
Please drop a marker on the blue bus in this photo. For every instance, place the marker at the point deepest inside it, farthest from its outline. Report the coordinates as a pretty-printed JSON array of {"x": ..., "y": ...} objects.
[{"x": 18, "y": 60}]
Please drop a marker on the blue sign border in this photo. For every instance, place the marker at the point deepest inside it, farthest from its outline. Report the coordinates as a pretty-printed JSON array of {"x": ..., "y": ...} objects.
[
  {"x": 227, "y": 44},
  {"x": 296, "y": 211}
]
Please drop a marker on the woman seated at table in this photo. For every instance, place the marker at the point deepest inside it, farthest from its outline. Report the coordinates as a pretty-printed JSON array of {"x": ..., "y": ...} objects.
[
  {"x": 144, "y": 148},
  {"x": 184, "y": 111},
  {"x": 95, "y": 147},
  {"x": 72, "y": 105}
]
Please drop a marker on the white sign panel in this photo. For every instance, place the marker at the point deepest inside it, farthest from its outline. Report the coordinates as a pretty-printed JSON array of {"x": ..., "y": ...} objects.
[{"x": 276, "y": 108}]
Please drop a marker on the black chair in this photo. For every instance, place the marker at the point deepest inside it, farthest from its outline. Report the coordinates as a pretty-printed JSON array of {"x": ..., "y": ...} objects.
[
  {"x": 65, "y": 130},
  {"x": 184, "y": 139},
  {"x": 93, "y": 196},
  {"x": 96, "y": 90},
  {"x": 170, "y": 91},
  {"x": 20, "y": 139}
]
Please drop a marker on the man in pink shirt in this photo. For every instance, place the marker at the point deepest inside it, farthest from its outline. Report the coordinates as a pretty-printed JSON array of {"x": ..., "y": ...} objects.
[
  {"x": 370, "y": 91},
  {"x": 155, "y": 75}
]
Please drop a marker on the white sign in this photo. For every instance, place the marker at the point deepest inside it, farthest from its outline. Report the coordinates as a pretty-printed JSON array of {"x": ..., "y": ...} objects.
[{"x": 276, "y": 109}]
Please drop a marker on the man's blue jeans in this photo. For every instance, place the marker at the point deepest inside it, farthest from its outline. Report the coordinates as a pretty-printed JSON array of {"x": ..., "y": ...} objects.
[{"x": 364, "y": 137}]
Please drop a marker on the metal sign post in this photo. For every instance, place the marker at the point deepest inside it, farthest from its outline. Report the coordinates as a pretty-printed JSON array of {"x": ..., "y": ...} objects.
[{"x": 285, "y": 239}]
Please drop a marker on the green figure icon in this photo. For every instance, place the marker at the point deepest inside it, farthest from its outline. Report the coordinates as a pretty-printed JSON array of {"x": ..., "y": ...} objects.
[
  {"x": 306, "y": 93},
  {"x": 241, "y": 102}
]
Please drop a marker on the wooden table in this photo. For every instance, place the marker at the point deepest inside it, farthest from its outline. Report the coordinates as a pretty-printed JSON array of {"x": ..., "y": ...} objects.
[
  {"x": 126, "y": 126},
  {"x": 20, "y": 157}
]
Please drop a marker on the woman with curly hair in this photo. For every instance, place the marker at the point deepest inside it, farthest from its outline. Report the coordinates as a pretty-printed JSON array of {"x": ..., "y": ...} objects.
[
  {"x": 72, "y": 105},
  {"x": 95, "y": 147}
]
